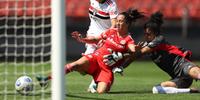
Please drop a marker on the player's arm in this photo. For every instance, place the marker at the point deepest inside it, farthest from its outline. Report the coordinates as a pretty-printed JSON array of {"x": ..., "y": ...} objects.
[
  {"x": 113, "y": 57},
  {"x": 128, "y": 57},
  {"x": 88, "y": 39},
  {"x": 152, "y": 45},
  {"x": 146, "y": 50},
  {"x": 135, "y": 51}
]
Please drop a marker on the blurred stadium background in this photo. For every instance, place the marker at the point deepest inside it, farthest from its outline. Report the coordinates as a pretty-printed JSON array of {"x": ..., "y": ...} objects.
[
  {"x": 182, "y": 24},
  {"x": 181, "y": 27}
]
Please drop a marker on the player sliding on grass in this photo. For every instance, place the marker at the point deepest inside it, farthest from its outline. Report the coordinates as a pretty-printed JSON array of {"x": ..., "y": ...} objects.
[
  {"x": 116, "y": 39},
  {"x": 102, "y": 14},
  {"x": 171, "y": 59}
]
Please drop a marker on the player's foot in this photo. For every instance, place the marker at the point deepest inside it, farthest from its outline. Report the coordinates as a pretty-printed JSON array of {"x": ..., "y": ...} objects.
[
  {"x": 194, "y": 90},
  {"x": 43, "y": 81},
  {"x": 92, "y": 87}
]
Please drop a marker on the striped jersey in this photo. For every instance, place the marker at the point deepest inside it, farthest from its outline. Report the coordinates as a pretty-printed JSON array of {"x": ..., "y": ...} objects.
[{"x": 100, "y": 16}]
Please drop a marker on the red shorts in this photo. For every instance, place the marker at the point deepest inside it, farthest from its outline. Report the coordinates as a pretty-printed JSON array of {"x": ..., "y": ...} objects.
[{"x": 99, "y": 71}]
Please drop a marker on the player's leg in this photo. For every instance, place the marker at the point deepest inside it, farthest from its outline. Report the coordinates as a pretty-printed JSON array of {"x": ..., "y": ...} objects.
[
  {"x": 81, "y": 65},
  {"x": 177, "y": 85},
  {"x": 194, "y": 72},
  {"x": 103, "y": 87},
  {"x": 90, "y": 48},
  {"x": 105, "y": 79},
  {"x": 190, "y": 69},
  {"x": 169, "y": 90}
]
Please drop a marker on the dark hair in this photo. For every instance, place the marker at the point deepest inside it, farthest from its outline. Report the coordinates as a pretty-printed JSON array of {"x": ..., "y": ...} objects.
[
  {"x": 131, "y": 15},
  {"x": 155, "y": 22}
]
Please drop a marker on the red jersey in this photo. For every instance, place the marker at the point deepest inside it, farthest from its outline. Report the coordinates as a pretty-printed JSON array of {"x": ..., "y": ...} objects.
[
  {"x": 97, "y": 68},
  {"x": 114, "y": 42}
]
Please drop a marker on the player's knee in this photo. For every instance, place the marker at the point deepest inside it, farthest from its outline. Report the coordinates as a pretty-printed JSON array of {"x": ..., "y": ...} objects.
[
  {"x": 100, "y": 91},
  {"x": 194, "y": 72},
  {"x": 102, "y": 87}
]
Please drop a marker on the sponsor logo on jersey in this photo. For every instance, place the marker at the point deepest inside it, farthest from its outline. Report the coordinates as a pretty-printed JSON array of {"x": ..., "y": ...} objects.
[
  {"x": 114, "y": 43},
  {"x": 122, "y": 42}
]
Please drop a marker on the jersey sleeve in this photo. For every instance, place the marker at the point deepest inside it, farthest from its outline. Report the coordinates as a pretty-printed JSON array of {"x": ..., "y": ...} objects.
[
  {"x": 156, "y": 42},
  {"x": 105, "y": 34},
  {"x": 130, "y": 41},
  {"x": 113, "y": 11}
]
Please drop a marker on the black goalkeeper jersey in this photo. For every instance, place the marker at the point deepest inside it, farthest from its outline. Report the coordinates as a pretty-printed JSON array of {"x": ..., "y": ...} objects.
[{"x": 168, "y": 57}]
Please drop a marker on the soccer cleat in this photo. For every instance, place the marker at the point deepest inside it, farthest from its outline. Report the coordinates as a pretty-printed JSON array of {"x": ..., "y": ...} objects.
[
  {"x": 92, "y": 87},
  {"x": 43, "y": 81}
]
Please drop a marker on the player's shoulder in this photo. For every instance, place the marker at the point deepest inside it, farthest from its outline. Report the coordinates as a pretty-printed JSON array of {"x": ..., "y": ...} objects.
[
  {"x": 110, "y": 31},
  {"x": 159, "y": 38},
  {"x": 129, "y": 37},
  {"x": 157, "y": 41}
]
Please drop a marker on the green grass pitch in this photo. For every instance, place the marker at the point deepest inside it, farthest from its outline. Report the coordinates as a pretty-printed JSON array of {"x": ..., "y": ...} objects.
[{"x": 136, "y": 84}]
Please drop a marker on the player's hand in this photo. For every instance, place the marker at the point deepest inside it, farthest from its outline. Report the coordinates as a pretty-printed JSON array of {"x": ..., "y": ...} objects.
[
  {"x": 118, "y": 70},
  {"x": 112, "y": 58},
  {"x": 77, "y": 36},
  {"x": 140, "y": 45}
]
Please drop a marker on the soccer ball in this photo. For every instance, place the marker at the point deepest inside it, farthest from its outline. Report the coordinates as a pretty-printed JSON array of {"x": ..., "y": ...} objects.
[{"x": 24, "y": 85}]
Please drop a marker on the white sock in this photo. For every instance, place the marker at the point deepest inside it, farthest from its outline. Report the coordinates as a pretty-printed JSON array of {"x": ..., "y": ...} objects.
[{"x": 169, "y": 90}]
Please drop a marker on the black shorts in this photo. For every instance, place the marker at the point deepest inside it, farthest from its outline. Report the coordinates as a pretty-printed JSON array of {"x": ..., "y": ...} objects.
[
  {"x": 182, "y": 67},
  {"x": 182, "y": 79},
  {"x": 182, "y": 82}
]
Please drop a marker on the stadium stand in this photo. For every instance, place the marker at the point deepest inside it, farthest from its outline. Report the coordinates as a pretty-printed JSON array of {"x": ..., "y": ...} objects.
[
  {"x": 173, "y": 9},
  {"x": 24, "y": 7}
]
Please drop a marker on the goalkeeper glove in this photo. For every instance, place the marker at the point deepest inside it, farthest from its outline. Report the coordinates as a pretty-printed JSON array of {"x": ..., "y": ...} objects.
[{"x": 112, "y": 58}]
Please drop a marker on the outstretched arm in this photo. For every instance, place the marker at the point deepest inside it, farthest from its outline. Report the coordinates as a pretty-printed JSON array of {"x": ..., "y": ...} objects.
[
  {"x": 89, "y": 39},
  {"x": 135, "y": 51}
]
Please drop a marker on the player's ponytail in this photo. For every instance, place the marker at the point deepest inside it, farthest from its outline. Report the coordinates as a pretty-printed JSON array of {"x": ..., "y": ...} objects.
[
  {"x": 157, "y": 18},
  {"x": 131, "y": 15},
  {"x": 155, "y": 22}
]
